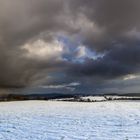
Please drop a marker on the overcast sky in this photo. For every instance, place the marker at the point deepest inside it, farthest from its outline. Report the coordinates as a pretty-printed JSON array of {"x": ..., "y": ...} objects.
[{"x": 70, "y": 45}]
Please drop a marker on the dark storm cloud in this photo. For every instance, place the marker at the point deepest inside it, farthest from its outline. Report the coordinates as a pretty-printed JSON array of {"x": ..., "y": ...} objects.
[
  {"x": 116, "y": 63},
  {"x": 118, "y": 26},
  {"x": 114, "y": 18},
  {"x": 21, "y": 21},
  {"x": 110, "y": 27}
]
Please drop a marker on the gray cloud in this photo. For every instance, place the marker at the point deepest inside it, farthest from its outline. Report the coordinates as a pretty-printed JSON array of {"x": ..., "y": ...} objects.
[
  {"x": 107, "y": 27},
  {"x": 21, "y": 21}
]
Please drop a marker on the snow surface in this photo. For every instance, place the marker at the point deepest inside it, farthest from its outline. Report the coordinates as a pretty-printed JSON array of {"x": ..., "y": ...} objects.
[
  {"x": 51, "y": 120},
  {"x": 94, "y": 98}
]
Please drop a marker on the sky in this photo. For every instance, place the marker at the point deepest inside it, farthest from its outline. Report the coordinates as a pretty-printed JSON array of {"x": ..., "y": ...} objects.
[{"x": 70, "y": 46}]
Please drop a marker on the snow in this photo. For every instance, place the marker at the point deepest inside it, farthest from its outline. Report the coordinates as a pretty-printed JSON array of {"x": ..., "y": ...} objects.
[
  {"x": 94, "y": 98},
  {"x": 52, "y": 120}
]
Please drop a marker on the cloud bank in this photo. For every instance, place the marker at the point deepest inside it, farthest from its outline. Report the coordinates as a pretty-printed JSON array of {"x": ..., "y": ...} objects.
[{"x": 57, "y": 42}]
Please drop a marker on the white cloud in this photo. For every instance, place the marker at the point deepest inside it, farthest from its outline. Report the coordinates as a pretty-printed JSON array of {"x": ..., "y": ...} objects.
[
  {"x": 130, "y": 77},
  {"x": 44, "y": 50},
  {"x": 81, "y": 51},
  {"x": 70, "y": 86}
]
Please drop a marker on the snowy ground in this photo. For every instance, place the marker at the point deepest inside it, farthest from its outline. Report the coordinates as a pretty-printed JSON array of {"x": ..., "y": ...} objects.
[{"x": 51, "y": 120}]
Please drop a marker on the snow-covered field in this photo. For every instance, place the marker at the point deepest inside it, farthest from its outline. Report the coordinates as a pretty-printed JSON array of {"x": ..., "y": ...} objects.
[{"x": 51, "y": 120}]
